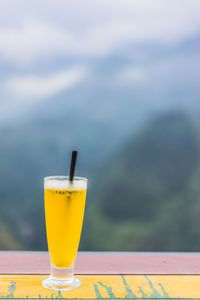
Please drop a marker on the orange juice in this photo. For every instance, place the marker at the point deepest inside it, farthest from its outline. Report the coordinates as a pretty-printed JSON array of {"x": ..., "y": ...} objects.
[{"x": 64, "y": 212}]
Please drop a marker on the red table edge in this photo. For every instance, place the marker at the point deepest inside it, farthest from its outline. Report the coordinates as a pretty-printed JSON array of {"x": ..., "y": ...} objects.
[{"x": 173, "y": 263}]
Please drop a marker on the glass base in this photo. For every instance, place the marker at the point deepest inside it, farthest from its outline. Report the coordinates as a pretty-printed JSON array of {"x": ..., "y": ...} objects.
[{"x": 61, "y": 284}]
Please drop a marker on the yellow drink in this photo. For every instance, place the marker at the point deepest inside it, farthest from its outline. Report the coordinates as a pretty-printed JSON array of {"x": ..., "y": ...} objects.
[{"x": 64, "y": 211}]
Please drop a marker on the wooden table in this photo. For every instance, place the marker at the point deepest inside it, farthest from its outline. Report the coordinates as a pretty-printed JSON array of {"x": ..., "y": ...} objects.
[{"x": 105, "y": 275}]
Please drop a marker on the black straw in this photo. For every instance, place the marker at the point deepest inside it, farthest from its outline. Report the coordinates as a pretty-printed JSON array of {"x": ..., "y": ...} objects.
[{"x": 73, "y": 166}]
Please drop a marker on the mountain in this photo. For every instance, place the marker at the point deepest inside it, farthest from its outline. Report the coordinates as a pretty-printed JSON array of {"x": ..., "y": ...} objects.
[
  {"x": 147, "y": 196},
  {"x": 39, "y": 147},
  {"x": 35, "y": 150}
]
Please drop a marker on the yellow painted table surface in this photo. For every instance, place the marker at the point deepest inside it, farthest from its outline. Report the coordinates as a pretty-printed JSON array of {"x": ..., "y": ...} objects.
[{"x": 104, "y": 287}]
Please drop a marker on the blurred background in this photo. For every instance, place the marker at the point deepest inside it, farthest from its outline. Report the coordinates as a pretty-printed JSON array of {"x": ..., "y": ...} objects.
[{"x": 117, "y": 80}]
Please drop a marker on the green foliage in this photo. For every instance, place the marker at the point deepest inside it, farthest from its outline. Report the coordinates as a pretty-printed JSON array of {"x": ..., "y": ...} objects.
[
  {"x": 158, "y": 163},
  {"x": 148, "y": 198},
  {"x": 31, "y": 151},
  {"x": 8, "y": 238}
]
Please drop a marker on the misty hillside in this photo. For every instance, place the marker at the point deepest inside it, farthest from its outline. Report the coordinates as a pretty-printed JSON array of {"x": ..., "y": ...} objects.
[
  {"x": 135, "y": 192},
  {"x": 147, "y": 197},
  {"x": 40, "y": 147}
]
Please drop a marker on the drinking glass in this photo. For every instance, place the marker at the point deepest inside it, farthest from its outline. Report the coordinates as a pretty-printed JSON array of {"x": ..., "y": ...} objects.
[{"x": 64, "y": 212}]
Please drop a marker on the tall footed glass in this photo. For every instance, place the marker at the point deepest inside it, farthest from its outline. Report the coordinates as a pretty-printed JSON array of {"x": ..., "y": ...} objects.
[{"x": 64, "y": 212}]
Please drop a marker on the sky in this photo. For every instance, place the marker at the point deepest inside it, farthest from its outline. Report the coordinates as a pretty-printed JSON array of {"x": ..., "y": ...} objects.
[{"x": 47, "y": 47}]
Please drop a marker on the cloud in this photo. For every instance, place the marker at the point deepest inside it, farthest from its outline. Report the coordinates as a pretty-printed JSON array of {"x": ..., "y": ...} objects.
[
  {"x": 32, "y": 40},
  {"x": 32, "y": 88},
  {"x": 51, "y": 30},
  {"x": 36, "y": 36},
  {"x": 130, "y": 76}
]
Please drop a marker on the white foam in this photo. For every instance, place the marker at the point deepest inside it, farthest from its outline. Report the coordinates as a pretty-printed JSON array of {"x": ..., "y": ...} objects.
[{"x": 65, "y": 184}]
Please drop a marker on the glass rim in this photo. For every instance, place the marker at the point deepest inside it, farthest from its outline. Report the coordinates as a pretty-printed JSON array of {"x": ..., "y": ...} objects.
[{"x": 63, "y": 177}]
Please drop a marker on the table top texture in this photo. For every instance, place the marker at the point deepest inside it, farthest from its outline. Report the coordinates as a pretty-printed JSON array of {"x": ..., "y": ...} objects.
[{"x": 105, "y": 275}]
